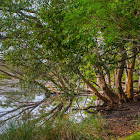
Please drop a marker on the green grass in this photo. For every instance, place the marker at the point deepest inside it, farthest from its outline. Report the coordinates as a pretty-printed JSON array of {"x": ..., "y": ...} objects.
[
  {"x": 89, "y": 129},
  {"x": 135, "y": 136},
  {"x": 17, "y": 131}
]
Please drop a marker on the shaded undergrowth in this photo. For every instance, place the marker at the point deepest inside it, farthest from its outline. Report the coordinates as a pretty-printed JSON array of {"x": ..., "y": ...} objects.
[{"x": 90, "y": 128}]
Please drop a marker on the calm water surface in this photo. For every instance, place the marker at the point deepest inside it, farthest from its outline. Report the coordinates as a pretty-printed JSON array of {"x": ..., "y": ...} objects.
[{"x": 12, "y": 96}]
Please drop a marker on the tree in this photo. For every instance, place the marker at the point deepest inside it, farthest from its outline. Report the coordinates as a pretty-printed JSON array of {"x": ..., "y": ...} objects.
[
  {"x": 66, "y": 42},
  {"x": 119, "y": 30}
]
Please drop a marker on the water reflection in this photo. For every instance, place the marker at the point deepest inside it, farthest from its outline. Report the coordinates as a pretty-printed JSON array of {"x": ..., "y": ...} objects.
[{"x": 13, "y": 97}]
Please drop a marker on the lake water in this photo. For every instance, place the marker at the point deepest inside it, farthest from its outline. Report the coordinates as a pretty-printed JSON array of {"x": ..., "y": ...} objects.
[{"x": 12, "y": 97}]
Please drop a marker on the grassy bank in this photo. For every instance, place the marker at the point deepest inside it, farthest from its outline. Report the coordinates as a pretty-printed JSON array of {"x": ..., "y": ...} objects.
[
  {"x": 91, "y": 128},
  {"x": 135, "y": 136}
]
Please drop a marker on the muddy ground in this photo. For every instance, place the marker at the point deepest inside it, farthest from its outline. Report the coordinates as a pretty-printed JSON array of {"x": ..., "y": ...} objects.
[{"x": 123, "y": 120}]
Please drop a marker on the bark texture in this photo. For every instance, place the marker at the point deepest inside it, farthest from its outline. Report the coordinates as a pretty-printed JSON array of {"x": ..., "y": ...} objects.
[
  {"x": 118, "y": 77},
  {"x": 139, "y": 73},
  {"x": 130, "y": 93},
  {"x": 93, "y": 89},
  {"x": 106, "y": 90}
]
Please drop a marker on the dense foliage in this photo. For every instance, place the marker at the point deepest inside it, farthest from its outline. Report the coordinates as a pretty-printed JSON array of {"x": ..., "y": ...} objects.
[{"x": 72, "y": 43}]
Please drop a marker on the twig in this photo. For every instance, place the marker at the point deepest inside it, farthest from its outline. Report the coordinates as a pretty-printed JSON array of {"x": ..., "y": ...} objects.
[
  {"x": 66, "y": 108},
  {"x": 15, "y": 115},
  {"x": 16, "y": 109}
]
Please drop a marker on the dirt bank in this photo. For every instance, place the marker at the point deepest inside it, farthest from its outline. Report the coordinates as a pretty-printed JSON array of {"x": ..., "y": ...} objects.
[{"x": 123, "y": 120}]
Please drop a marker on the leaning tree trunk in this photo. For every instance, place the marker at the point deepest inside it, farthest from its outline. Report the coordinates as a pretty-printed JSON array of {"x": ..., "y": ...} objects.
[
  {"x": 104, "y": 99},
  {"x": 106, "y": 90},
  {"x": 118, "y": 79},
  {"x": 130, "y": 93}
]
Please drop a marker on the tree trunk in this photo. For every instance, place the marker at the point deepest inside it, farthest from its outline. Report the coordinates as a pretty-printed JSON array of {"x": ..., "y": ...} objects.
[
  {"x": 107, "y": 79},
  {"x": 126, "y": 80},
  {"x": 130, "y": 93},
  {"x": 106, "y": 90},
  {"x": 93, "y": 89},
  {"x": 139, "y": 84},
  {"x": 130, "y": 83},
  {"x": 118, "y": 79},
  {"x": 139, "y": 72}
]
